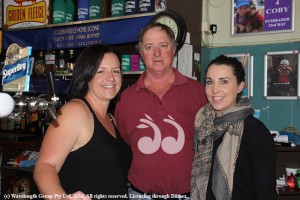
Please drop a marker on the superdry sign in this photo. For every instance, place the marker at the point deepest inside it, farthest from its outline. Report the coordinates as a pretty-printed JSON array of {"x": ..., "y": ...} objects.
[{"x": 19, "y": 14}]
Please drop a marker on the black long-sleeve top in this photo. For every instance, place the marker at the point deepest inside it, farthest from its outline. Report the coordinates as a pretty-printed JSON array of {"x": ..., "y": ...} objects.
[{"x": 255, "y": 172}]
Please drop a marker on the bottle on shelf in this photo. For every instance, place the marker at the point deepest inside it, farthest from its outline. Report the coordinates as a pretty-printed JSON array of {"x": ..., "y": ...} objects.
[
  {"x": 10, "y": 124},
  {"x": 83, "y": 10},
  {"x": 17, "y": 126},
  {"x": 50, "y": 62},
  {"x": 59, "y": 11},
  {"x": 95, "y": 9},
  {"x": 291, "y": 180},
  {"x": 4, "y": 123},
  {"x": 61, "y": 62},
  {"x": 27, "y": 117},
  {"x": 40, "y": 65},
  {"x": 298, "y": 179},
  {"x": 23, "y": 122},
  {"x": 42, "y": 122},
  {"x": 70, "y": 63},
  {"x": 34, "y": 122},
  {"x": 70, "y": 11}
]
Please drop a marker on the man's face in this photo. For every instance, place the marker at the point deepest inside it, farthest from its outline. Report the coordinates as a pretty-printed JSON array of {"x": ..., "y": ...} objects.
[{"x": 157, "y": 50}]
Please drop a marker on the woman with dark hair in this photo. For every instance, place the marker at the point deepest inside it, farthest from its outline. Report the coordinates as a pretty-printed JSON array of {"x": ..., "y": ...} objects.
[
  {"x": 83, "y": 154},
  {"x": 234, "y": 152}
]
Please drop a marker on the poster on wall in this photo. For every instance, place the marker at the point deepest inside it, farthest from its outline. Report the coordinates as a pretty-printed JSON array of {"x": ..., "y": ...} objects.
[
  {"x": 247, "y": 60},
  {"x": 281, "y": 75},
  {"x": 250, "y": 17}
]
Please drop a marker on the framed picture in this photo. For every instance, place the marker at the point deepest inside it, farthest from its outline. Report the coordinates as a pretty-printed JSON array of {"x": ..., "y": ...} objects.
[
  {"x": 247, "y": 60},
  {"x": 261, "y": 16},
  {"x": 281, "y": 75}
]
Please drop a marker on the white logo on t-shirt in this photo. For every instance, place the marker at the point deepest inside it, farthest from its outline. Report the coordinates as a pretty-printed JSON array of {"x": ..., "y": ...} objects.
[{"x": 169, "y": 144}]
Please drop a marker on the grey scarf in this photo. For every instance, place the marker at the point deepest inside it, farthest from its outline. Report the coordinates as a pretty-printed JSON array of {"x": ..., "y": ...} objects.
[{"x": 209, "y": 128}]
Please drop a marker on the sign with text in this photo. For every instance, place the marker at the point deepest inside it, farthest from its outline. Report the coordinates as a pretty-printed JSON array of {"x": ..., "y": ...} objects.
[
  {"x": 25, "y": 13},
  {"x": 16, "y": 71},
  {"x": 109, "y": 33},
  {"x": 76, "y": 36},
  {"x": 262, "y": 16}
]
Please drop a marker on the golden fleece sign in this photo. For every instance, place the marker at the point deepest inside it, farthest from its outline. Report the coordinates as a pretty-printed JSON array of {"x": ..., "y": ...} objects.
[{"x": 25, "y": 13}]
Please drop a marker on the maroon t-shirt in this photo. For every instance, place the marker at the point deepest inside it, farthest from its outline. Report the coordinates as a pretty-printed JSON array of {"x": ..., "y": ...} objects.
[{"x": 160, "y": 133}]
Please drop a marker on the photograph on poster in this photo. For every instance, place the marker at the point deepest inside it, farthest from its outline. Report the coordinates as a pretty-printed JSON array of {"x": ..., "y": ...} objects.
[
  {"x": 261, "y": 16},
  {"x": 247, "y": 60},
  {"x": 281, "y": 75}
]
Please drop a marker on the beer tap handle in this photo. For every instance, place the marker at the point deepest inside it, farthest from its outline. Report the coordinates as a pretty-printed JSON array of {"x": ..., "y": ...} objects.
[{"x": 51, "y": 79}]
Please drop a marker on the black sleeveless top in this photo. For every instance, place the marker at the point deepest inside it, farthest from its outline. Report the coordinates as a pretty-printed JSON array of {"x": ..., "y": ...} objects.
[{"x": 100, "y": 167}]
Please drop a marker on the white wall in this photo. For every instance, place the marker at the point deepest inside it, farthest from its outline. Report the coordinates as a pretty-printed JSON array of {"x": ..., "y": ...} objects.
[{"x": 219, "y": 12}]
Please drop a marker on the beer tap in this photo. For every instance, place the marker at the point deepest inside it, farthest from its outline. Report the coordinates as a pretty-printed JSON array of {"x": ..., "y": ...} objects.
[
  {"x": 38, "y": 103},
  {"x": 24, "y": 103}
]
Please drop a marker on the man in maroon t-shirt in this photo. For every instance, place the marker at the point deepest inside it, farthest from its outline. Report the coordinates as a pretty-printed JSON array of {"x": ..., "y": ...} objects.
[{"x": 155, "y": 116}]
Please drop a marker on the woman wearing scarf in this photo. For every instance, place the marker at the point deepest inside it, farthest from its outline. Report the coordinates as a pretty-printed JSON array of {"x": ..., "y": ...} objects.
[{"x": 234, "y": 152}]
